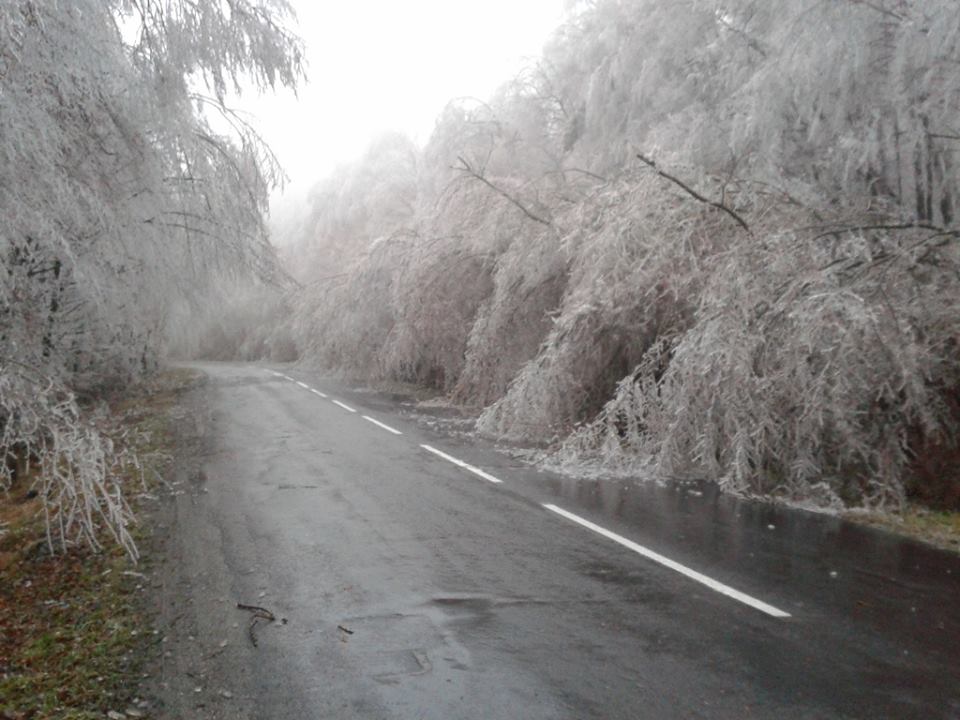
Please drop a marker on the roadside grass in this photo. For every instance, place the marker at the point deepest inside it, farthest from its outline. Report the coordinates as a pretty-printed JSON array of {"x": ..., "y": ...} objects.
[
  {"x": 938, "y": 528},
  {"x": 73, "y": 627}
]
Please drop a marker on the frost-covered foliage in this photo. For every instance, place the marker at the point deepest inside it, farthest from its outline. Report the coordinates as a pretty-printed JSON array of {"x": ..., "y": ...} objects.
[
  {"x": 637, "y": 260},
  {"x": 828, "y": 365},
  {"x": 77, "y": 466},
  {"x": 704, "y": 237},
  {"x": 118, "y": 200}
]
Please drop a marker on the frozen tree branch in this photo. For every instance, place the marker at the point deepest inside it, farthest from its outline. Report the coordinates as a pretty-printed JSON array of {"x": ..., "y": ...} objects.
[
  {"x": 880, "y": 9},
  {"x": 693, "y": 193},
  {"x": 580, "y": 171},
  {"x": 895, "y": 226},
  {"x": 120, "y": 204},
  {"x": 467, "y": 169},
  {"x": 751, "y": 41}
]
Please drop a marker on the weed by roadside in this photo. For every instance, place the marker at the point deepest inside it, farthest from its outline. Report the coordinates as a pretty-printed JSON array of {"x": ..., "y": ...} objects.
[{"x": 73, "y": 630}]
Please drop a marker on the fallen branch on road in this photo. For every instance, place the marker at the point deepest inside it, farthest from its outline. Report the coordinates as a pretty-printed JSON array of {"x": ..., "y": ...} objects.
[{"x": 258, "y": 613}]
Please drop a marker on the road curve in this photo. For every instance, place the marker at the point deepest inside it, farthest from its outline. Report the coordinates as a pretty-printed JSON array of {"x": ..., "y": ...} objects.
[{"x": 421, "y": 576}]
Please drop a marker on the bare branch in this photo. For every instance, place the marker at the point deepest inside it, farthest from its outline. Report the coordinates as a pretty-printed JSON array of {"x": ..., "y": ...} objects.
[
  {"x": 719, "y": 206},
  {"x": 879, "y": 9},
  {"x": 465, "y": 167},
  {"x": 581, "y": 171},
  {"x": 751, "y": 41},
  {"x": 899, "y": 226}
]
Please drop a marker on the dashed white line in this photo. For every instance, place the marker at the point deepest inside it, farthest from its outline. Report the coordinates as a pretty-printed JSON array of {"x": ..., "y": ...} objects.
[
  {"x": 715, "y": 585},
  {"x": 382, "y": 425},
  {"x": 440, "y": 453},
  {"x": 667, "y": 562},
  {"x": 461, "y": 463},
  {"x": 485, "y": 475}
]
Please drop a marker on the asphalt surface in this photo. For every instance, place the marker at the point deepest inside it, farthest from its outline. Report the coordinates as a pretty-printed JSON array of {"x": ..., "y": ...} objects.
[{"x": 414, "y": 587}]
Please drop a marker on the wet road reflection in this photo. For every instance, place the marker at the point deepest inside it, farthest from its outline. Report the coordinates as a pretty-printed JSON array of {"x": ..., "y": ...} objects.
[{"x": 893, "y": 584}]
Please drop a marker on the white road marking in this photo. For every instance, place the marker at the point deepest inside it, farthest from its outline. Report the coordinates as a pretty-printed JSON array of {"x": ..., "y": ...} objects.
[
  {"x": 274, "y": 372},
  {"x": 345, "y": 407},
  {"x": 715, "y": 585},
  {"x": 442, "y": 454},
  {"x": 667, "y": 562},
  {"x": 382, "y": 425},
  {"x": 485, "y": 475},
  {"x": 461, "y": 463}
]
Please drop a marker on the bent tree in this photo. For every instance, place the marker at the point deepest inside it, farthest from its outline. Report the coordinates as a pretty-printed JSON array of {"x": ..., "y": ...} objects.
[{"x": 119, "y": 197}]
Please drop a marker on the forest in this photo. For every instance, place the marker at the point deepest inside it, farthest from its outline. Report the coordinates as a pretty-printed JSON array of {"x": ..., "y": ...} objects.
[
  {"x": 699, "y": 239},
  {"x": 706, "y": 239}
]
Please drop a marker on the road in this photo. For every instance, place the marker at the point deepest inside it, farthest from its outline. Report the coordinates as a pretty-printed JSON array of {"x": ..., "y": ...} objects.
[{"x": 425, "y": 576}]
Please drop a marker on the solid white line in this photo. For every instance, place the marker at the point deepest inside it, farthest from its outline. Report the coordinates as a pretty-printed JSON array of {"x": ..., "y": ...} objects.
[
  {"x": 274, "y": 372},
  {"x": 317, "y": 392},
  {"x": 380, "y": 424},
  {"x": 667, "y": 562},
  {"x": 345, "y": 407},
  {"x": 287, "y": 377},
  {"x": 303, "y": 385},
  {"x": 461, "y": 463}
]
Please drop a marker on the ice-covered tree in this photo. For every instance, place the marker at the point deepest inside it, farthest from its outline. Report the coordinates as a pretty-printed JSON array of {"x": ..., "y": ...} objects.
[
  {"x": 118, "y": 198},
  {"x": 705, "y": 237}
]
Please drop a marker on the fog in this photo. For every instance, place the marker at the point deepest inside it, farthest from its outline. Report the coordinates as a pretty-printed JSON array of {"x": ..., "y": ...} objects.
[{"x": 380, "y": 65}]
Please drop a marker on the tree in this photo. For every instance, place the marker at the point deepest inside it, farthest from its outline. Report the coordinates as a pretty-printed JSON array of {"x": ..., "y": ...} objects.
[{"x": 118, "y": 197}]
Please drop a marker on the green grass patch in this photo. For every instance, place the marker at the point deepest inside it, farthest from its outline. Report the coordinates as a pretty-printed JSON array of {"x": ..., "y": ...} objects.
[{"x": 938, "y": 528}]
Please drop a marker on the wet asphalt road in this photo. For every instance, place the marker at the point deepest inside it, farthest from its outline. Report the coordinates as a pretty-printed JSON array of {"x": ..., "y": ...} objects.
[{"x": 416, "y": 588}]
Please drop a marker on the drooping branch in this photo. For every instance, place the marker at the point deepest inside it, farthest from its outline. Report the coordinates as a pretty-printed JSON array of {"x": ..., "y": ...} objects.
[
  {"x": 880, "y": 9},
  {"x": 752, "y": 42},
  {"x": 465, "y": 167},
  {"x": 897, "y": 226},
  {"x": 581, "y": 171},
  {"x": 693, "y": 193}
]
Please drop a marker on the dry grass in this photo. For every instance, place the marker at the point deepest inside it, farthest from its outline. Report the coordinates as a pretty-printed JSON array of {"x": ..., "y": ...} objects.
[{"x": 72, "y": 627}]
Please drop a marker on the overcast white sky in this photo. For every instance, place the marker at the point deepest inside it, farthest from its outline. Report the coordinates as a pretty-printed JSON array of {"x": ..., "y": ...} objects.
[{"x": 377, "y": 65}]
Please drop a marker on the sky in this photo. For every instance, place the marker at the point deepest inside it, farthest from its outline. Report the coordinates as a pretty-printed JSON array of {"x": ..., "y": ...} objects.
[{"x": 379, "y": 65}]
